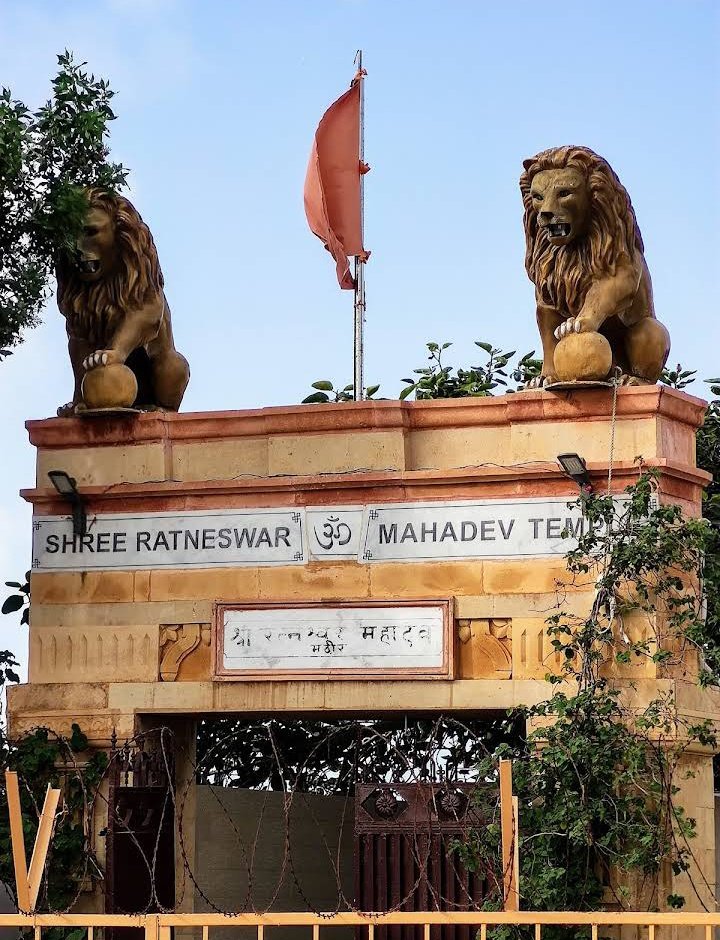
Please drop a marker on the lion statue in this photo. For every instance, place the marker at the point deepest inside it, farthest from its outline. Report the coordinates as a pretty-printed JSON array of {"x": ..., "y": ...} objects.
[
  {"x": 110, "y": 292},
  {"x": 584, "y": 254}
]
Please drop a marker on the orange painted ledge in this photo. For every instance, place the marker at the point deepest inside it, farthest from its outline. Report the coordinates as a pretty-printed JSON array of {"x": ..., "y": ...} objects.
[
  {"x": 533, "y": 479},
  {"x": 519, "y": 407}
]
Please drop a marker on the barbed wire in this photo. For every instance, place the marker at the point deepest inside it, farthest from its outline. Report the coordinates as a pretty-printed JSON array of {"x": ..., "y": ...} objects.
[
  {"x": 412, "y": 809},
  {"x": 142, "y": 805}
]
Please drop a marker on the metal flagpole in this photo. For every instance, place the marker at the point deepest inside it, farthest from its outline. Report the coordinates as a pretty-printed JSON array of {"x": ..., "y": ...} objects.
[{"x": 359, "y": 310}]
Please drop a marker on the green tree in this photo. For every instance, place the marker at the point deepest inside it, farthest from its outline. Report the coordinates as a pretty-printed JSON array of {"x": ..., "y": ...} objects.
[{"x": 47, "y": 157}]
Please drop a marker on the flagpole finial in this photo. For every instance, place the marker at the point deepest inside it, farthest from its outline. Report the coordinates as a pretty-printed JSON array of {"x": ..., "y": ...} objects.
[{"x": 360, "y": 72}]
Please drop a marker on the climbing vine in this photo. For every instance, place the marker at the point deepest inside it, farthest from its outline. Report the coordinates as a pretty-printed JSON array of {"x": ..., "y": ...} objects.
[
  {"x": 44, "y": 759},
  {"x": 599, "y": 773},
  {"x": 41, "y": 759}
]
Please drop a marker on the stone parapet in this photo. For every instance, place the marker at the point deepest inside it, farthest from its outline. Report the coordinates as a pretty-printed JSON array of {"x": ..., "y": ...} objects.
[
  {"x": 397, "y": 448},
  {"x": 143, "y": 626}
]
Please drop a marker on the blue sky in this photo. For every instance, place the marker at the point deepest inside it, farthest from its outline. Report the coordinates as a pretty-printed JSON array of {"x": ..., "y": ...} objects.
[{"x": 217, "y": 105}]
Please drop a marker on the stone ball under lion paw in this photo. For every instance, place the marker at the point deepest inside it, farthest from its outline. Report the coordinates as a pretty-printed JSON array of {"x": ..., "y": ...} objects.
[
  {"x": 582, "y": 357},
  {"x": 113, "y": 386}
]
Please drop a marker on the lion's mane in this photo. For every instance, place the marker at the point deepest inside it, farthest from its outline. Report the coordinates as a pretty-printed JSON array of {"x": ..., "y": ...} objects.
[
  {"x": 563, "y": 274},
  {"x": 93, "y": 309}
]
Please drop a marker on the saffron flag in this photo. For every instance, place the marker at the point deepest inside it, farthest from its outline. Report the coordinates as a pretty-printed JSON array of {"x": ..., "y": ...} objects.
[{"x": 332, "y": 183}]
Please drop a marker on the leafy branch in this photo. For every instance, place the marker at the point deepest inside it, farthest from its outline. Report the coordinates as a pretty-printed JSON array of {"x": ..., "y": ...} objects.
[
  {"x": 19, "y": 600},
  {"x": 47, "y": 158},
  {"x": 326, "y": 392},
  {"x": 439, "y": 380}
]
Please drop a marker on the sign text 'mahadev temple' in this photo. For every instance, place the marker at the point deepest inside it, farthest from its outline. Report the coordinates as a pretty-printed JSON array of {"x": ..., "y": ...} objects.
[{"x": 388, "y": 532}]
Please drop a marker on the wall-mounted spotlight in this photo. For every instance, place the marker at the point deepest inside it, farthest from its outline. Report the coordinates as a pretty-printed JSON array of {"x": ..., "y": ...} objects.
[
  {"x": 576, "y": 468},
  {"x": 67, "y": 488}
]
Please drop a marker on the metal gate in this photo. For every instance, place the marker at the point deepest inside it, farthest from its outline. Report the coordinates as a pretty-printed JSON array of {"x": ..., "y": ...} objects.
[
  {"x": 407, "y": 856},
  {"x": 140, "y": 869}
]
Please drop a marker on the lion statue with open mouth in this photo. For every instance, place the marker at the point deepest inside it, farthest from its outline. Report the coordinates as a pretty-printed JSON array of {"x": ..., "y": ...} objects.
[
  {"x": 584, "y": 254},
  {"x": 110, "y": 291}
]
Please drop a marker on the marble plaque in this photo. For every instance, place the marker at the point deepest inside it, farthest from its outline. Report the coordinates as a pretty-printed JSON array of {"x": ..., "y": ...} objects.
[
  {"x": 331, "y": 641},
  {"x": 224, "y": 538},
  {"x": 489, "y": 528}
]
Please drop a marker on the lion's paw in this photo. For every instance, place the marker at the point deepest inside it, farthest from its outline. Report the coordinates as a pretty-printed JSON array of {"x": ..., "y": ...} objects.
[
  {"x": 626, "y": 379},
  {"x": 70, "y": 409},
  {"x": 540, "y": 381},
  {"x": 571, "y": 325},
  {"x": 101, "y": 357}
]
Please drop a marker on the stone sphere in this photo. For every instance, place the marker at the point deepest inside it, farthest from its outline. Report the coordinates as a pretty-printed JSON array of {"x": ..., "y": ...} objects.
[
  {"x": 113, "y": 386},
  {"x": 583, "y": 357}
]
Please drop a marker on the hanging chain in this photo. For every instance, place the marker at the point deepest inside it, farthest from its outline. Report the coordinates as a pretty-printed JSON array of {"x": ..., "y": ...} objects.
[{"x": 616, "y": 377}]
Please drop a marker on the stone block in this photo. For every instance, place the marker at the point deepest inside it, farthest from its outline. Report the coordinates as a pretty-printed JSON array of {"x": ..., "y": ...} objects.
[
  {"x": 448, "y": 448},
  {"x": 503, "y": 694},
  {"x": 315, "y": 581},
  {"x": 316, "y": 695},
  {"x": 483, "y": 648},
  {"x": 45, "y": 698},
  {"x": 304, "y": 454},
  {"x": 226, "y": 584},
  {"x": 58, "y": 706},
  {"x": 187, "y": 698},
  {"x": 522, "y": 605},
  {"x": 677, "y": 441},
  {"x": 185, "y": 652},
  {"x": 98, "y": 653},
  {"x": 141, "y": 586},
  {"x": 589, "y": 438},
  {"x": 124, "y": 614},
  {"x": 82, "y": 587},
  {"x": 533, "y": 655},
  {"x": 425, "y": 579},
  {"x": 527, "y": 576},
  {"x": 102, "y": 466},
  {"x": 220, "y": 460}
]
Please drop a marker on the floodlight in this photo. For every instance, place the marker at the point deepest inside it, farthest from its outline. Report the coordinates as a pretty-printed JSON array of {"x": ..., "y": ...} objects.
[
  {"x": 66, "y": 487},
  {"x": 576, "y": 468},
  {"x": 63, "y": 483}
]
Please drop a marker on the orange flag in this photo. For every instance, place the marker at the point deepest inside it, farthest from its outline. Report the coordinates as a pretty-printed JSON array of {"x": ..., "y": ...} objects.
[{"x": 332, "y": 183}]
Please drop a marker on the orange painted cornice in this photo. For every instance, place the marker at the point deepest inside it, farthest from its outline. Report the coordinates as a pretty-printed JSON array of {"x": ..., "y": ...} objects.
[{"x": 524, "y": 407}]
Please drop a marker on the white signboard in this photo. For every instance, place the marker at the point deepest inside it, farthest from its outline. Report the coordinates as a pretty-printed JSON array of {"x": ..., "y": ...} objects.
[
  {"x": 226, "y": 538},
  {"x": 490, "y": 528},
  {"x": 330, "y": 641}
]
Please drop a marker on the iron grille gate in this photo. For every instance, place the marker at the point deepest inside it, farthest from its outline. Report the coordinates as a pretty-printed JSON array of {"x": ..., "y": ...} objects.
[
  {"x": 406, "y": 855},
  {"x": 140, "y": 847}
]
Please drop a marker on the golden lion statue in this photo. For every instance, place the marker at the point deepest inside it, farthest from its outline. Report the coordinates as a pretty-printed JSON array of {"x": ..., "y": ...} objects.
[
  {"x": 584, "y": 254},
  {"x": 111, "y": 295}
]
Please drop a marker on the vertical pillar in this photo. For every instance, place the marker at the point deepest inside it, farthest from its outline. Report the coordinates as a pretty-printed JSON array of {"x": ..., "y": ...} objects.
[{"x": 185, "y": 737}]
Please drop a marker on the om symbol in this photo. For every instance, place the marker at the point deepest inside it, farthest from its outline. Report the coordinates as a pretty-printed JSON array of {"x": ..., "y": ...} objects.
[{"x": 333, "y": 533}]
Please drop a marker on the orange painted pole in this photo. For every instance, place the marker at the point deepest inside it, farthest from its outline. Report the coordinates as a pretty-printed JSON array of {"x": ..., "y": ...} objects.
[
  {"x": 27, "y": 883},
  {"x": 18, "y": 841},
  {"x": 516, "y": 852},
  {"x": 507, "y": 825},
  {"x": 42, "y": 844}
]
